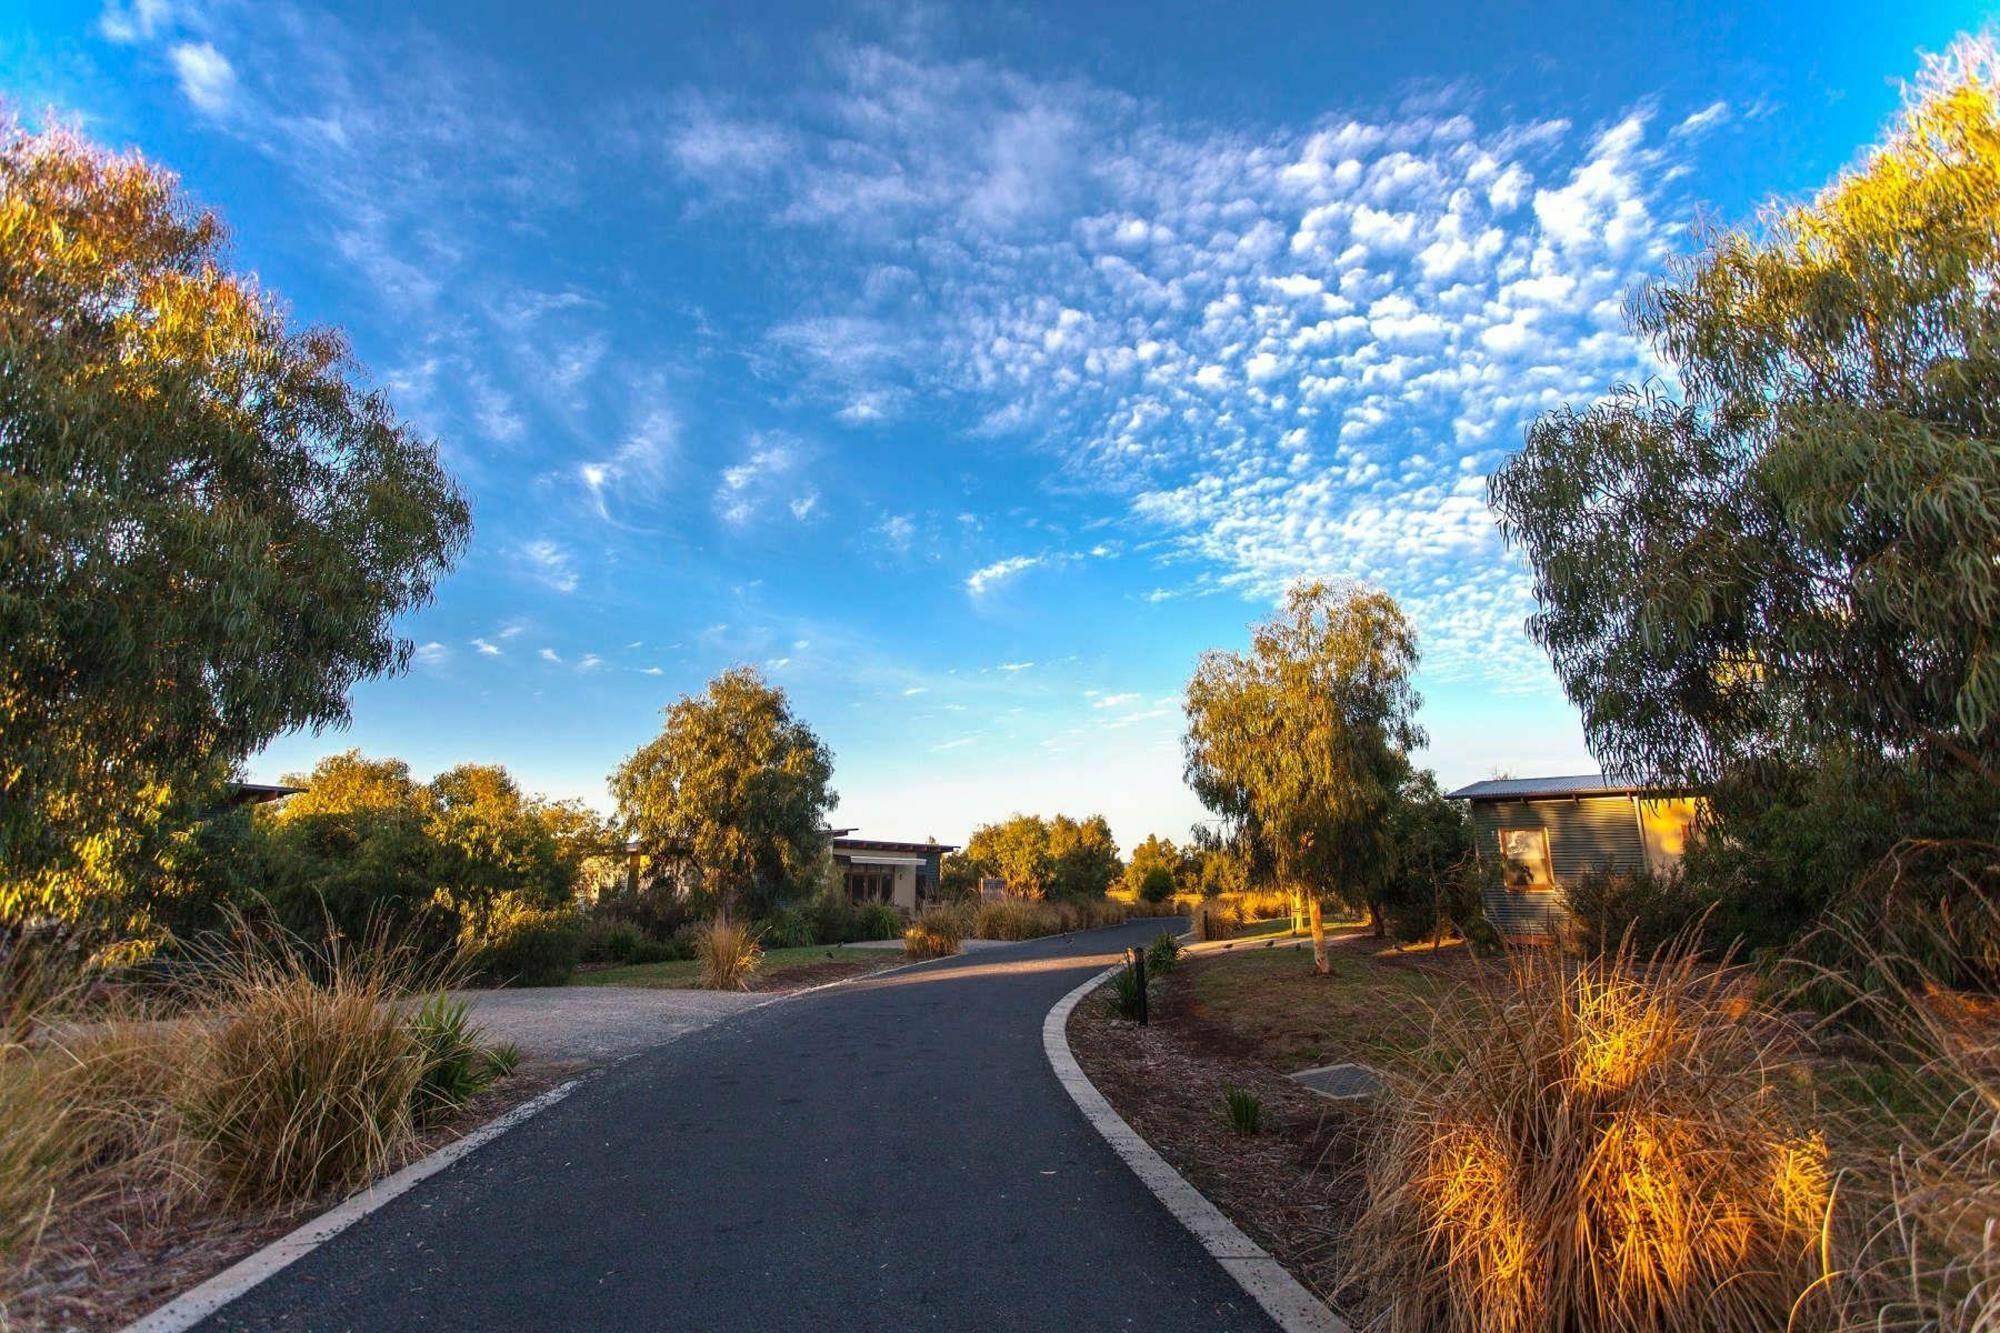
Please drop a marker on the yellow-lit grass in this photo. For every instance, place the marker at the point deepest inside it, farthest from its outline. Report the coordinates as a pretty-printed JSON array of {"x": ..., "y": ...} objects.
[
  {"x": 1033, "y": 918},
  {"x": 728, "y": 955},
  {"x": 935, "y": 933},
  {"x": 309, "y": 1075},
  {"x": 1599, "y": 1147},
  {"x": 1930, "y": 1187}
]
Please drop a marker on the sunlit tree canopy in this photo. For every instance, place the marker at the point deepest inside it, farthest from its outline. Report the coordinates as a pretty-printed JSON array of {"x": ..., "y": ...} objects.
[
  {"x": 1791, "y": 542},
  {"x": 207, "y": 528}
]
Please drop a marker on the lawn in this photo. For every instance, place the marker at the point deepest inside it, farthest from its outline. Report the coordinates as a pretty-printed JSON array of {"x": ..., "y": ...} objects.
[
  {"x": 1374, "y": 1008},
  {"x": 784, "y": 969}
]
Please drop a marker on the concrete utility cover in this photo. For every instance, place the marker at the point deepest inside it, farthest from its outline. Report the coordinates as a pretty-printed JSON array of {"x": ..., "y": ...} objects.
[{"x": 1343, "y": 1083}]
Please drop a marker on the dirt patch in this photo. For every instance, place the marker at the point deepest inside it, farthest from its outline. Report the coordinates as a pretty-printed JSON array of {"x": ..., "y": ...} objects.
[
  {"x": 110, "y": 1262},
  {"x": 804, "y": 976}
]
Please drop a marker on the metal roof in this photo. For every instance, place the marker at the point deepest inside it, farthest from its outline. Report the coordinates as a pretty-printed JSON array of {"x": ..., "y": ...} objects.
[{"x": 1523, "y": 789}]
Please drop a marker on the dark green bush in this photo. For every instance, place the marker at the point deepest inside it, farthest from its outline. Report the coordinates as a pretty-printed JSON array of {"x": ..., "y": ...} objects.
[
  {"x": 789, "y": 928},
  {"x": 1156, "y": 885},
  {"x": 878, "y": 921},
  {"x": 1163, "y": 952},
  {"x": 1608, "y": 906},
  {"x": 455, "y": 1068},
  {"x": 1127, "y": 995},
  {"x": 529, "y": 946}
]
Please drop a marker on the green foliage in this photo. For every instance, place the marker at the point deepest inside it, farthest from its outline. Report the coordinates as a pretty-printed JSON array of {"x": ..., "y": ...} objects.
[
  {"x": 1127, "y": 998},
  {"x": 1244, "y": 1110},
  {"x": 1155, "y": 853},
  {"x": 1610, "y": 909},
  {"x": 454, "y": 1067},
  {"x": 791, "y": 928},
  {"x": 1156, "y": 885},
  {"x": 1163, "y": 953},
  {"x": 1060, "y": 857},
  {"x": 1301, "y": 742},
  {"x": 1432, "y": 885},
  {"x": 1789, "y": 550},
  {"x": 734, "y": 789},
  {"x": 877, "y": 921},
  {"x": 207, "y": 527},
  {"x": 525, "y": 945}
]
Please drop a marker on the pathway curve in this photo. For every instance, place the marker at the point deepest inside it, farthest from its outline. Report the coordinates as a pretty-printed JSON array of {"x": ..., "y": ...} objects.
[{"x": 893, "y": 1153}]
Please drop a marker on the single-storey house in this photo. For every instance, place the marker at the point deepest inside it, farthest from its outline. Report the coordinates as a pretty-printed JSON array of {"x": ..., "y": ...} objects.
[
  {"x": 902, "y": 874},
  {"x": 1548, "y": 831}
]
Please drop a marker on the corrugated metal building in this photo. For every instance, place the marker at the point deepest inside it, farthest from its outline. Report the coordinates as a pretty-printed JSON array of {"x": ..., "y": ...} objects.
[{"x": 1547, "y": 831}]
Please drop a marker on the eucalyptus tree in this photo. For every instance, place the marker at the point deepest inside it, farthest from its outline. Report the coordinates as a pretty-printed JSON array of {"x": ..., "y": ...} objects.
[
  {"x": 1306, "y": 739},
  {"x": 207, "y": 526},
  {"x": 732, "y": 795},
  {"x": 1793, "y": 547}
]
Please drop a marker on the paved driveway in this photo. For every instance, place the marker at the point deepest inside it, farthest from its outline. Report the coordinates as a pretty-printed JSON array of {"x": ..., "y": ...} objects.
[{"x": 890, "y": 1154}]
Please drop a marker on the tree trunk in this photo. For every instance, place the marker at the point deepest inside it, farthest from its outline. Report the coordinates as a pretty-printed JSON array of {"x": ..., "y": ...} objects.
[
  {"x": 1375, "y": 917},
  {"x": 1320, "y": 965}
]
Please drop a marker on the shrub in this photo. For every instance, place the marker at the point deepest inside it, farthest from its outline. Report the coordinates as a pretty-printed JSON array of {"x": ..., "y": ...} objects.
[
  {"x": 1163, "y": 953},
  {"x": 791, "y": 928},
  {"x": 1593, "y": 1147},
  {"x": 454, "y": 1067},
  {"x": 1244, "y": 1110},
  {"x": 1218, "y": 920},
  {"x": 934, "y": 934},
  {"x": 1156, "y": 885},
  {"x": 1127, "y": 997},
  {"x": 729, "y": 954},
  {"x": 658, "y": 951},
  {"x": 1609, "y": 907},
  {"x": 529, "y": 946},
  {"x": 877, "y": 921},
  {"x": 622, "y": 941},
  {"x": 310, "y": 1080}
]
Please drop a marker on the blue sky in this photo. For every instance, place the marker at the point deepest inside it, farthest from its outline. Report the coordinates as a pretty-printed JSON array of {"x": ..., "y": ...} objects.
[{"x": 970, "y": 370}]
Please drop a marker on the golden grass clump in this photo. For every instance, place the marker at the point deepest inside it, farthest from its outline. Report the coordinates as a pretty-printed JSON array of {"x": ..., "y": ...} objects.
[
  {"x": 310, "y": 1075},
  {"x": 1927, "y": 1193},
  {"x": 729, "y": 955},
  {"x": 1217, "y": 920},
  {"x": 1597, "y": 1147},
  {"x": 935, "y": 933}
]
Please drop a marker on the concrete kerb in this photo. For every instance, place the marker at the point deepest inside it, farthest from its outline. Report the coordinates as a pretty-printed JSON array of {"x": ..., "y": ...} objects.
[{"x": 1263, "y": 1279}]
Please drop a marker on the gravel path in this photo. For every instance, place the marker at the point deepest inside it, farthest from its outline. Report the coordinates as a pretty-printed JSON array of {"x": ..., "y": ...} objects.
[{"x": 597, "y": 1023}]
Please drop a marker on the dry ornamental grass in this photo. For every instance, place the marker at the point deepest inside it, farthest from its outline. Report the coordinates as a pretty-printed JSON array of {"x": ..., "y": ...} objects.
[{"x": 1596, "y": 1147}]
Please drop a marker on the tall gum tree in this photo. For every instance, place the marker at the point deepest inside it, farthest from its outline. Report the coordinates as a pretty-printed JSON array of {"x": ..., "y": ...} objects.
[
  {"x": 207, "y": 526},
  {"x": 733, "y": 791},
  {"x": 1792, "y": 547},
  {"x": 1305, "y": 739}
]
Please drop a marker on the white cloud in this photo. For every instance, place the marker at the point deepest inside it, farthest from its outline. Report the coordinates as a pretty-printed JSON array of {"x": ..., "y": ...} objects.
[
  {"x": 766, "y": 476},
  {"x": 549, "y": 655},
  {"x": 1015, "y": 666},
  {"x": 138, "y": 21},
  {"x": 589, "y": 662},
  {"x": 914, "y": 691},
  {"x": 551, "y": 564},
  {"x": 636, "y": 473},
  {"x": 896, "y": 532},
  {"x": 486, "y": 647},
  {"x": 206, "y": 77},
  {"x": 1114, "y": 700},
  {"x": 431, "y": 656},
  {"x": 985, "y": 577}
]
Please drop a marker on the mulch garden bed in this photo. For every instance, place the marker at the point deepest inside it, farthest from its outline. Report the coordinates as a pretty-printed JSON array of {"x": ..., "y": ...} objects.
[
  {"x": 1295, "y": 1187},
  {"x": 107, "y": 1264}
]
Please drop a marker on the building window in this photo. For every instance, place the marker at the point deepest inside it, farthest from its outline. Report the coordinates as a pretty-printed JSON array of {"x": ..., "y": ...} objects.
[{"x": 1524, "y": 859}]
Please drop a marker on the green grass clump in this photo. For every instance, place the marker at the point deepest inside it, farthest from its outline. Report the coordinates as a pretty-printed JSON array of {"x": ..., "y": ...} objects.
[
  {"x": 1163, "y": 953},
  {"x": 1244, "y": 1110}
]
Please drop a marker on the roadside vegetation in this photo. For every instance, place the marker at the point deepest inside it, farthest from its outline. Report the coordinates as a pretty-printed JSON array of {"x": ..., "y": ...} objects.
[{"x": 1758, "y": 1091}]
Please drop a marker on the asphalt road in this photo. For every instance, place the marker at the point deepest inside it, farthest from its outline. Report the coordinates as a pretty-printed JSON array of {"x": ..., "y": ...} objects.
[{"x": 889, "y": 1154}]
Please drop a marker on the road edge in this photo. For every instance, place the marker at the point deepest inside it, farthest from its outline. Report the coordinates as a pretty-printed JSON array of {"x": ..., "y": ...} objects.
[
  {"x": 204, "y": 1299},
  {"x": 1293, "y": 1308}
]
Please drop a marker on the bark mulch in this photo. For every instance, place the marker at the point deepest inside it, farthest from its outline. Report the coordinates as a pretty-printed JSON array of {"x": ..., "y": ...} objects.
[{"x": 1295, "y": 1187}]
